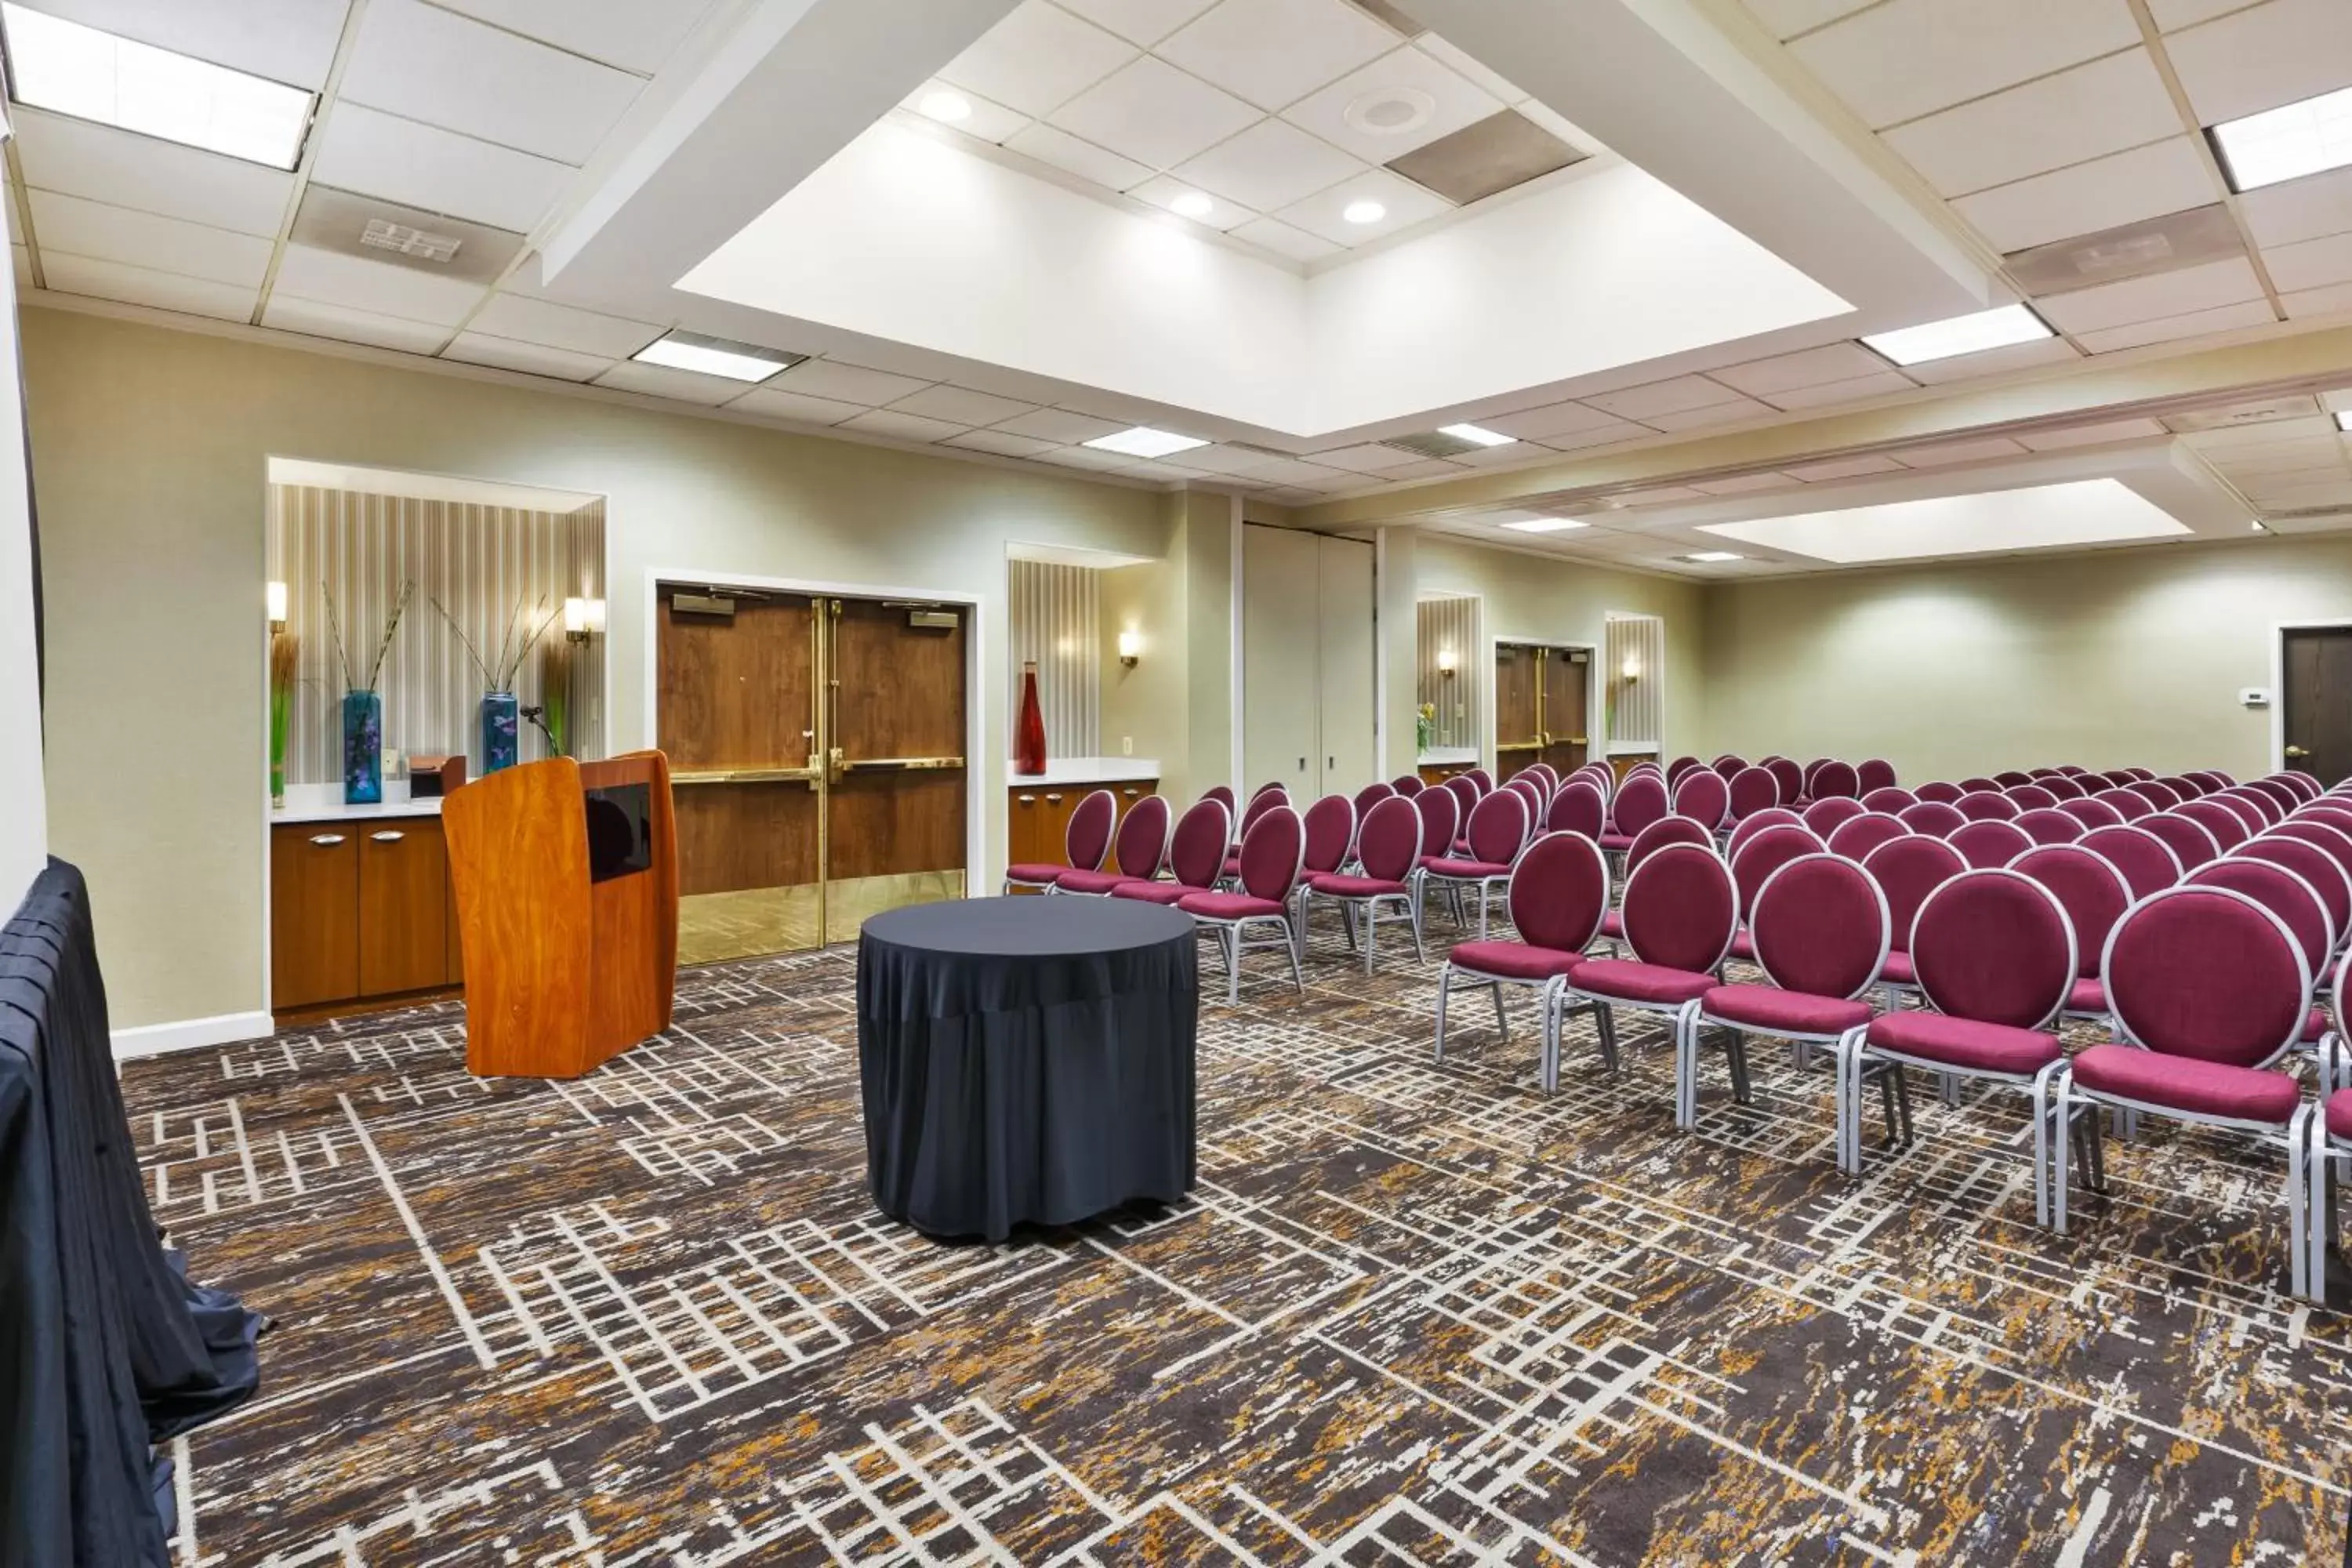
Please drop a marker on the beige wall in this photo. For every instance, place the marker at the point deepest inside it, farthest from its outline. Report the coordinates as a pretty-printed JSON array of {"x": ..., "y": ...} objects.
[
  {"x": 1144, "y": 709},
  {"x": 2107, "y": 659},
  {"x": 1546, "y": 599},
  {"x": 150, "y": 449},
  {"x": 24, "y": 828}
]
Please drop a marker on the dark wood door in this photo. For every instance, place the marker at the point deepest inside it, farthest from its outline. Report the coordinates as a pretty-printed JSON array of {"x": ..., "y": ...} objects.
[
  {"x": 736, "y": 684},
  {"x": 896, "y": 793},
  {"x": 1565, "y": 685},
  {"x": 2317, "y": 700},
  {"x": 404, "y": 908},
  {"x": 314, "y": 921},
  {"x": 1518, "y": 717}
]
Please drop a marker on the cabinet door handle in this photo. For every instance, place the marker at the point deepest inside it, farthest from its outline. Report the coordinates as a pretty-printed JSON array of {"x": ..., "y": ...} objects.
[
  {"x": 389, "y": 836},
  {"x": 327, "y": 841},
  {"x": 1026, "y": 799},
  {"x": 1052, "y": 800},
  {"x": 1132, "y": 793}
]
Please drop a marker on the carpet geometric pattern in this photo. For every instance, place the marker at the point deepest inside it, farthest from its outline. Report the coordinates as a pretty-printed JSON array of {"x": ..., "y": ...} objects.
[{"x": 1414, "y": 1313}]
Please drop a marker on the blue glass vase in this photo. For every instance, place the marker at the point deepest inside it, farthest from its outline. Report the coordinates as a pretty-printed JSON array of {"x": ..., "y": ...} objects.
[
  {"x": 501, "y": 730},
  {"x": 362, "y": 748}
]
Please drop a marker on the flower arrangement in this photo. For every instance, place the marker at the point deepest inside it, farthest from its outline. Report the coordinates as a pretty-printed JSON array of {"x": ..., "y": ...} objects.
[
  {"x": 1424, "y": 725},
  {"x": 501, "y": 712},
  {"x": 283, "y": 651},
  {"x": 362, "y": 704}
]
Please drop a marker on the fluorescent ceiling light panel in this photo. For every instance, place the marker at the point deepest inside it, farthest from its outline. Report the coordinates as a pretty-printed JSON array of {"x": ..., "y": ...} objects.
[
  {"x": 2344, "y": 419},
  {"x": 1476, "y": 436},
  {"x": 715, "y": 356},
  {"x": 1710, "y": 557},
  {"x": 1145, "y": 442},
  {"x": 72, "y": 69},
  {"x": 2044, "y": 517},
  {"x": 2287, "y": 143},
  {"x": 1545, "y": 524},
  {"x": 1993, "y": 329}
]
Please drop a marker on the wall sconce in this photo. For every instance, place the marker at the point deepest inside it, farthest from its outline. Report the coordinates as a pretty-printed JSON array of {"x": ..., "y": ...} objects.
[
  {"x": 583, "y": 619},
  {"x": 1631, "y": 669},
  {"x": 1130, "y": 648},
  {"x": 276, "y": 596},
  {"x": 1445, "y": 662}
]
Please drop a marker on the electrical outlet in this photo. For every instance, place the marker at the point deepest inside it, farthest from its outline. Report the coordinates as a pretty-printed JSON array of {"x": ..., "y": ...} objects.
[{"x": 1127, "y": 745}]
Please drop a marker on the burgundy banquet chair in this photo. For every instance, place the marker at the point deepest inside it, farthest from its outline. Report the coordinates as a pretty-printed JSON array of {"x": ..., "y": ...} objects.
[
  {"x": 1987, "y": 844},
  {"x": 1829, "y": 810},
  {"x": 2048, "y": 825},
  {"x": 2191, "y": 843},
  {"x": 1272, "y": 851},
  {"x": 2094, "y": 896},
  {"x": 1857, "y": 836},
  {"x": 1086, "y": 840},
  {"x": 1753, "y": 790},
  {"x": 1888, "y": 798},
  {"x": 2147, "y": 863},
  {"x": 1558, "y": 892},
  {"x": 1388, "y": 849},
  {"x": 1703, "y": 797},
  {"x": 1500, "y": 828},
  {"x": 1141, "y": 849},
  {"x": 1578, "y": 808},
  {"x": 1935, "y": 818},
  {"x": 1874, "y": 773},
  {"x": 1196, "y": 856},
  {"x": 1907, "y": 870},
  {"x": 1753, "y": 863}
]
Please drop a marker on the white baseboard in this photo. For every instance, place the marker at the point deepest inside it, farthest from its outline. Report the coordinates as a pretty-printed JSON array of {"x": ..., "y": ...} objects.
[{"x": 190, "y": 1033}]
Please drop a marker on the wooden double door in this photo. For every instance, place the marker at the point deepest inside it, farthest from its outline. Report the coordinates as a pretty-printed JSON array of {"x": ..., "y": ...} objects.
[
  {"x": 816, "y": 752},
  {"x": 1541, "y": 692}
]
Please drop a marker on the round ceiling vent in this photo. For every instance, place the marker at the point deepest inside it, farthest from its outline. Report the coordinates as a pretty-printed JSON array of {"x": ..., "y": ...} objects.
[{"x": 1391, "y": 111}]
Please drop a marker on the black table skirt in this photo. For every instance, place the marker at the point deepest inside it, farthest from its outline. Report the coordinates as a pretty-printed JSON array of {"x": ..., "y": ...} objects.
[{"x": 1025, "y": 1060}]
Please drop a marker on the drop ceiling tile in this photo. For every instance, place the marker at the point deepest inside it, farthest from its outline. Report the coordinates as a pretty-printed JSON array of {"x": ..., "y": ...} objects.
[
  {"x": 433, "y": 65},
  {"x": 526, "y": 320},
  {"x": 1786, "y": 18},
  {"x": 1675, "y": 397},
  {"x": 2093, "y": 434},
  {"x": 1427, "y": 469},
  {"x": 2305, "y": 304},
  {"x": 1372, "y": 458},
  {"x": 1323, "y": 214},
  {"x": 1077, "y": 155},
  {"x": 1058, "y": 427},
  {"x": 379, "y": 154},
  {"x": 1993, "y": 362},
  {"x": 1809, "y": 367},
  {"x": 1280, "y": 237},
  {"x": 2087, "y": 112},
  {"x": 1549, "y": 420},
  {"x": 985, "y": 120},
  {"x": 1910, "y": 57},
  {"x": 1474, "y": 71},
  {"x": 2146, "y": 299},
  {"x": 2260, "y": 59},
  {"x": 144, "y": 239},
  {"x": 2294, "y": 498},
  {"x": 1611, "y": 435},
  {"x": 1163, "y": 191},
  {"x": 2171, "y": 15},
  {"x": 530, "y": 359},
  {"x": 291, "y": 41},
  {"x": 1829, "y": 394},
  {"x": 771, "y": 402},
  {"x": 1155, "y": 114},
  {"x": 1453, "y": 102},
  {"x": 330, "y": 278},
  {"x": 1274, "y": 52},
  {"x": 101, "y": 279},
  {"x": 1947, "y": 453},
  {"x": 1142, "y": 23},
  {"x": 1743, "y": 484},
  {"x": 115, "y": 166},
  {"x": 2172, "y": 329},
  {"x": 2302, "y": 435},
  {"x": 321, "y": 319},
  {"x": 1841, "y": 469},
  {"x": 959, "y": 405},
  {"x": 902, "y": 426},
  {"x": 2146, "y": 182},
  {"x": 1270, "y": 166},
  {"x": 2311, "y": 263},
  {"x": 2291, "y": 210},
  {"x": 848, "y": 383},
  {"x": 2240, "y": 416},
  {"x": 635, "y": 35},
  {"x": 1730, "y": 413},
  {"x": 1083, "y": 458},
  {"x": 1038, "y": 59},
  {"x": 1002, "y": 444},
  {"x": 678, "y": 386}
]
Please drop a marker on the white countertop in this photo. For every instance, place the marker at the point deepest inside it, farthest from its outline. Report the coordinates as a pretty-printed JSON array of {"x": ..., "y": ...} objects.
[
  {"x": 324, "y": 803},
  {"x": 1450, "y": 757},
  {"x": 1085, "y": 770}
]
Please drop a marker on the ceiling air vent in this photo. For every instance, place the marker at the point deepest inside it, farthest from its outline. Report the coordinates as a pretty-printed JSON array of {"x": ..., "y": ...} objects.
[
  {"x": 1433, "y": 444},
  {"x": 1487, "y": 158},
  {"x": 2141, "y": 249},
  {"x": 2229, "y": 416},
  {"x": 382, "y": 234},
  {"x": 396, "y": 236}
]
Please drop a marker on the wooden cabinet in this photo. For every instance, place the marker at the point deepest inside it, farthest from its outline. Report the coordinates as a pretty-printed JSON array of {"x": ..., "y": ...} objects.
[
  {"x": 1037, "y": 818},
  {"x": 359, "y": 909}
]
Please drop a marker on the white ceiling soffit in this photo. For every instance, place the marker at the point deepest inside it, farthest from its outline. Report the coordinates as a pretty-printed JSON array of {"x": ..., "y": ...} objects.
[
  {"x": 800, "y": 80},
  {"x": 426, "y": 487},
  {"x": 1074, "y": 555},
  {"x": 2039, "y": 517}
]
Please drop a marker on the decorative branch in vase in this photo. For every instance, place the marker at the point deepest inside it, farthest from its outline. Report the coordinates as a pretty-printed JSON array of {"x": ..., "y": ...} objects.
[
  {"x": 362, "y": 704},
  {"x": 501, "y": 712},
  {"x": 284, "y": 657}
]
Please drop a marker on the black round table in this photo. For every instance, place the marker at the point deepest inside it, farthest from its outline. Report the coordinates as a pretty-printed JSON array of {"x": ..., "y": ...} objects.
[{"x": 1025, "y": 1059}]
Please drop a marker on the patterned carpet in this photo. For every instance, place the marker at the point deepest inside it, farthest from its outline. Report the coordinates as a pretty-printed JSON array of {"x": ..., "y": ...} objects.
[{"x": 1414, "y": 1314}]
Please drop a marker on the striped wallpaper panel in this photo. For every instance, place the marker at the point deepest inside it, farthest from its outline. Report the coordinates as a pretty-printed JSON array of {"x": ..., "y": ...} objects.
[
  {"x": 1451, "y": 623},
  {"x": 1637, "y": 708},
  {"x": 481, "y": 563},
  {"x": 1057, "y": 619}
]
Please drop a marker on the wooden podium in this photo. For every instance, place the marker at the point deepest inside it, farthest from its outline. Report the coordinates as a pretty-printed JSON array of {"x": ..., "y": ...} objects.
[{"x": 570, "y": 955}]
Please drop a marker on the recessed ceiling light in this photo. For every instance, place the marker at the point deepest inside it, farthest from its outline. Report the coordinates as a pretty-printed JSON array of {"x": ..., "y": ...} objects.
[
  {"x": 715, "y": 356},
  {"x": 63, "y": 66},
  {"x": 1710, "y": 557},
  {"x": 1191, "y": 204},
  {"x": 1143, "y": 441},
  {"x": 1545, "y": 524},
  {"x": 1994, "y": 329},
  {"x": 947, "y": 107},
  {"x": 1476, "y": 436},
  {"x": 2286, "y": 143},
  {"x": 1364, "y": 212}
]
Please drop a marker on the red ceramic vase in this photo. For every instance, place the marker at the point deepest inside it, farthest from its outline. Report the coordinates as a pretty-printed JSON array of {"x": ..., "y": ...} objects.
[{"x": 1029, "y": 734}]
